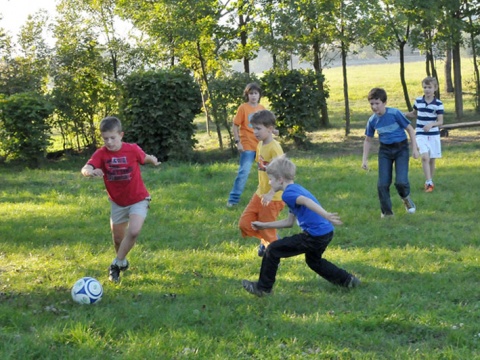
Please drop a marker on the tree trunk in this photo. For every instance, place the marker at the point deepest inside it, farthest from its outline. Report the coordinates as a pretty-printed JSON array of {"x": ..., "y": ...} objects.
[
  {"x": 345, "y": 89},
  {"x": 431, "y": 59},
  {"x": 242, "y": 22},
  {"x": 475, "y": 67},
  {"x": 457, "y": 78},
  {"x": 401, "y": 49},
  {"x": 317, "y": 65},
  {"x": 448, "y": 71}
]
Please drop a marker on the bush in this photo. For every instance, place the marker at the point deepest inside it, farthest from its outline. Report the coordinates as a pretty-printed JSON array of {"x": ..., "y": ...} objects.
[
  {"x": 159, "y": 108},
  {"x": 296, "y": 100},
  {"x": 24, "y": 130}
]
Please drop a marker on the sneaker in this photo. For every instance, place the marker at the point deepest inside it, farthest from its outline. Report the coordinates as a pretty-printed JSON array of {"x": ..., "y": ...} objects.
[
  {"x": 252, "y": 288},
  {"x": 386, "y": 215},
  {"x": 353, "y": 282},
  {"x": 261, "y": 250},
  {"x": 114, "y": 273},
  {"x": 230, "y": 205},
  {"x": 409, "y": 205},
  {"x": 429, "y": 187},
  {"x": 124, "y": 268}
]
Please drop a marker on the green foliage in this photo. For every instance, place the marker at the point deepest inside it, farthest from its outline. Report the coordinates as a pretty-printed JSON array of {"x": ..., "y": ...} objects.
[
  {"x": 296, "y": 100},
  {"x": 159, "y": 109},
  {"x": 24, "y": 131}
]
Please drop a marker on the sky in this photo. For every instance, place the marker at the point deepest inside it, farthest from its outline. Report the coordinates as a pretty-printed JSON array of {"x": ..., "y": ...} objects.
[{"x": 15, "y": 12}]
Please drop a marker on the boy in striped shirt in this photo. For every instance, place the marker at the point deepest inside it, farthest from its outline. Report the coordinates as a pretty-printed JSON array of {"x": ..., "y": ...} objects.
[{"x": 429, "y": 113}]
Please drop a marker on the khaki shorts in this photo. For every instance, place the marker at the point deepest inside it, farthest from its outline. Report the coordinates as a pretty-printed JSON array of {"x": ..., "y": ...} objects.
[{"x": 121, "y": 214}]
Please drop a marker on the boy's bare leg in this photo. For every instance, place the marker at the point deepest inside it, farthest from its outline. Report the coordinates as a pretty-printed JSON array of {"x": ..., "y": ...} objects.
[
  {"x": 432, "y": 167},
  {"x": 426, "y": 166},
  {"x": 130, "y": 233},
  {"x": 118, "y": 234}
]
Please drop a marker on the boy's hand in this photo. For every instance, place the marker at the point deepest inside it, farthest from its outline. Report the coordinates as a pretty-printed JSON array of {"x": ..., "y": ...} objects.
[
  {"x": 240, "y": 147},
  {"x": 416, "y": 153},
  {"x": 334, "y": 218},
  {"x": 257, "y": 225},
  {"x": 266, "y": 199},
  {"x": 154, "y": 160},
  {"x": 365, "y": 166},
  {"x": 96, "y": 173}
]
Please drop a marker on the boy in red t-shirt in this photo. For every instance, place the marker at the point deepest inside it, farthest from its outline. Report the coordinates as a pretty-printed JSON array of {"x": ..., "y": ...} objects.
[{"x": 118, "y": 163}]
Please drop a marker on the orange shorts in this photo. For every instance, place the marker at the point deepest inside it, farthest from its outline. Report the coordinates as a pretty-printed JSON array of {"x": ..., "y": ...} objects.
[{"x": 255, "y": 211}]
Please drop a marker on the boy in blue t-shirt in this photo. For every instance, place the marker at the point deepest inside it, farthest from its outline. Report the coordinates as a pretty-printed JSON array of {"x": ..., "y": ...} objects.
[
  {"x": 391, "y": 126},
  {"x": 317, "y": 226}
]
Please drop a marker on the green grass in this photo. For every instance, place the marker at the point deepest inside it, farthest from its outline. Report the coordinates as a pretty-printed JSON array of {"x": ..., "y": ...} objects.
[{"x": 182, "y": 297}]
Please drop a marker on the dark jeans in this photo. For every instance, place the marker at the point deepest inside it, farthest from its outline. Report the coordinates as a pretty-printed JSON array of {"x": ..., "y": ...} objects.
[
  {"x": 313, "y": 248},
  {"x": 388, "y": 155}
]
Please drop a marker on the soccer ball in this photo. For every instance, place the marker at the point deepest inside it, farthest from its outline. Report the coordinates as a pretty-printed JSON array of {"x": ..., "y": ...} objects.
[{"x": 87, "y": 290}]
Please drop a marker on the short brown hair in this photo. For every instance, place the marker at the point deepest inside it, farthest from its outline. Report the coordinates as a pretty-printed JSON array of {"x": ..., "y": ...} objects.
[
  {"x": 110, "y": 123},
  {"x": 263, "y": 117},
  {"x": 430, "y": 80},
  {"x": 378, "y": 93}
]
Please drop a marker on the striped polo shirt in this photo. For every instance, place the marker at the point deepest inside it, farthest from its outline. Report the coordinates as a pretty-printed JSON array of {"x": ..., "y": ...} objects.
[{"x": 427, "y": 113}]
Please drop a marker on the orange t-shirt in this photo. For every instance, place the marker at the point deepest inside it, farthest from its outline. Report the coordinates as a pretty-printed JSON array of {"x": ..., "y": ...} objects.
[{"x": 242, "y": 120}]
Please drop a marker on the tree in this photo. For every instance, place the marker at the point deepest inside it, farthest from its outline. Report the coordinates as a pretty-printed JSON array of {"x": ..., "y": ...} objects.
[
  {"x": 25, "y": 67},
  {"x": 81, "y": 94}
]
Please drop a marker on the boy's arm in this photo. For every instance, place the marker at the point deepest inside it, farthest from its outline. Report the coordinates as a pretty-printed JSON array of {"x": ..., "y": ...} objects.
[
  {"x": 279, "y": 224},
  {"x": 236, "y": 136},
  {"x": 151, "y": 159},
  {"x": 412, "y": 114},
  {"x": 312, "y": 205},
  {"x": 438, "y": 122},
  {"x": 367, "y": 144},
  {"x": 411, "y": 132},
  {"x": 89, "y": 171}
]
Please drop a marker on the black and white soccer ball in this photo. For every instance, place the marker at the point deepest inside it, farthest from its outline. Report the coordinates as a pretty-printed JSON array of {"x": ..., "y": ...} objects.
[{"x": 87, "y": 290}]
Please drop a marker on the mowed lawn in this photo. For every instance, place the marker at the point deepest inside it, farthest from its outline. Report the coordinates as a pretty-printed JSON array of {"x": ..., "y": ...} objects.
[{"x": 182, "y": 297}]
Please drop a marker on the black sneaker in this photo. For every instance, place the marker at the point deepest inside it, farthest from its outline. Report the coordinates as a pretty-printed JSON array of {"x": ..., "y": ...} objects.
[
  {"x": 252, "y": 288},
  {"x": 114, "y": 273},
  {"x": 353, "y": 282}
]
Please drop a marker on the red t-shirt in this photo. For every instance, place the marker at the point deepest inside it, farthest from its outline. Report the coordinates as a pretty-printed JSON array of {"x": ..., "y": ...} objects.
[{"x": 122, "y": 175}]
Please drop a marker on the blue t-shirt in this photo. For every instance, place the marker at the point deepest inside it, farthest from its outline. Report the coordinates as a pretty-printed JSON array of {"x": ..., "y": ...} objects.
[
  {"x": 307, "y": 219},
  {"x": 390, "y": 126}
]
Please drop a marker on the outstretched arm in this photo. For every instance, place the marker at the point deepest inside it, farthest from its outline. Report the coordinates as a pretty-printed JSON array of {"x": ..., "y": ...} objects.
[
  {"x": 412, "y": 114},
  {"x": 312, "y": 205},
  {"x": 151, "y": 159},
  {"x": 89, "y": 171},
  {"x": 279, "y": 224}
]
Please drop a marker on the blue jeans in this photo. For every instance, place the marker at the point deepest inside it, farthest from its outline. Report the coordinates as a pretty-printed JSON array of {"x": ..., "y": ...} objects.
[
  {"x": 312, "y": 246},
  {"x": 246, "y": 160},
  {"x": 388, "y": 155}
]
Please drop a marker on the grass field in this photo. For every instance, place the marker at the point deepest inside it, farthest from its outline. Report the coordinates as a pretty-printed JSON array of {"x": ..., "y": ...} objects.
[{"x": 182, "y": 297}]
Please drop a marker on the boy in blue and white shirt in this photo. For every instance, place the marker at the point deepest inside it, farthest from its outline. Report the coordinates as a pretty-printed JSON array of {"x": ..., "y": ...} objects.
[{"x": 429, "y": 113}]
